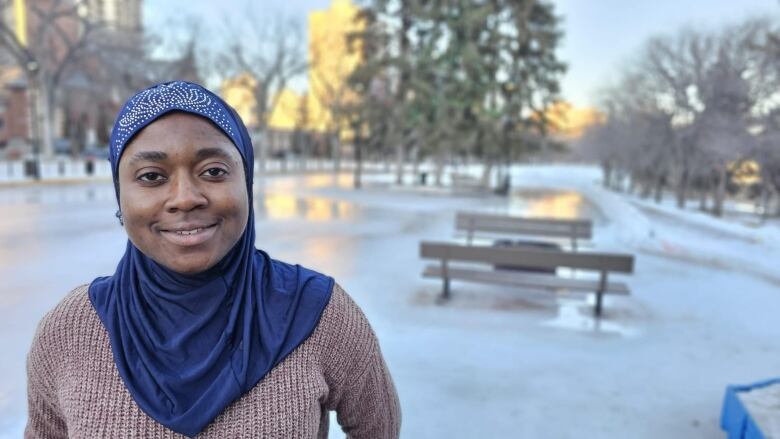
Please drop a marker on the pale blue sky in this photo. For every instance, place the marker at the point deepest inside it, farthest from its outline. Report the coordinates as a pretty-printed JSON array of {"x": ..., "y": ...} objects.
[{"x": 600, "y": 34}]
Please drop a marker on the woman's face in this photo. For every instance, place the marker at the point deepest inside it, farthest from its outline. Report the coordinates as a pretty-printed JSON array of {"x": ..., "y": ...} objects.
[{"x": 182, "y": 192}]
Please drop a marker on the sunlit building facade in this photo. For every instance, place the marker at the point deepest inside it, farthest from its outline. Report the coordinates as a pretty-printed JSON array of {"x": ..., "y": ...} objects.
[
  {"x": 123, "y": 15},
  {"x": 237, "y": 92},
  {"x": 569, "y": 123},
  {"x": 330, "y": 61}
]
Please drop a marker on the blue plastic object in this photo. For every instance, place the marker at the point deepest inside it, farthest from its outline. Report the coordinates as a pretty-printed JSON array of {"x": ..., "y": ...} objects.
[{"x": 734, "y": 418}]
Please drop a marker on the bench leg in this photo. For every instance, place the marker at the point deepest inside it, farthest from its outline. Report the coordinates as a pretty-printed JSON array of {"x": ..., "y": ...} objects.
[
  {"x": 597, "y": 309},
  {"x": 600, "y": 293},
  {"x": 445, "y": 294}
]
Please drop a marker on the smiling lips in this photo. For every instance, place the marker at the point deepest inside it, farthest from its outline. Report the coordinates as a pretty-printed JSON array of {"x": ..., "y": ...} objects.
[{"x": 188, "y": 236}]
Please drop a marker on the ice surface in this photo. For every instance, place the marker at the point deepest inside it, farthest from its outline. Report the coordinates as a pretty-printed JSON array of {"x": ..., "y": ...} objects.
[{"x": 492, "y": 362}]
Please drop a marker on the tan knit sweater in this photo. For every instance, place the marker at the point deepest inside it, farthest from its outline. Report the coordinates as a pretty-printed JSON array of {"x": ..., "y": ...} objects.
[{"x": 74, "y": 388}]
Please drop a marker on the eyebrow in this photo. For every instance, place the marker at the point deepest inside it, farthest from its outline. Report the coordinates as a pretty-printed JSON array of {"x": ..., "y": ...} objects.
[
  {"x": 159, "y": 156},
  {"x": 205, "y": 153},
  {"x": 153, "y": 156}
]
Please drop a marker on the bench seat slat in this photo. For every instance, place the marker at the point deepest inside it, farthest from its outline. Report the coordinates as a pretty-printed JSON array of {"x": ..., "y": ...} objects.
[
  {"x": 514, "y": 278},
  {"x": 510, "y": 218},
  {"x": 554, "y": 232},
  {"x": 527, "y": 257}
]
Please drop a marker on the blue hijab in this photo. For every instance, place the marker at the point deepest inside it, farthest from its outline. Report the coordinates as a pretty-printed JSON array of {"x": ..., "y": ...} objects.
[{"x": 187, "y": 346}]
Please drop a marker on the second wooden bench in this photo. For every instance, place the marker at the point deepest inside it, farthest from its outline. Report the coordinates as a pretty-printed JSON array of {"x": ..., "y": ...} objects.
[{"x": 473, "y": 223}]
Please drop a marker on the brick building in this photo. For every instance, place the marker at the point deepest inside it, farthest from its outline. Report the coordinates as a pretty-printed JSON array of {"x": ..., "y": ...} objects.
[{"x": 87, "y": 96}]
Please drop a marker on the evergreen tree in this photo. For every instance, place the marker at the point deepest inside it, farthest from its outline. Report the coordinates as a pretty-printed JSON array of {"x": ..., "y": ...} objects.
[{"x": 464, "y": 77}]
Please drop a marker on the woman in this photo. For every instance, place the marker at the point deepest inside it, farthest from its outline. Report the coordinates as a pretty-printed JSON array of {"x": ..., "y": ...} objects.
[{"x": 197, "y": 332}]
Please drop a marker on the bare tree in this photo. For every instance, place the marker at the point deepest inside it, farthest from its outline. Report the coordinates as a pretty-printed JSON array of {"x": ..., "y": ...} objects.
[
  {"x": 676, "y": 69},
  {"x": 61, "y": 34},
  {"x": 271, "y": 51},
  {"x": 693, "y": 103},
  {"x": 126, "y": 68},
  {"x": 767, "y": 154}
]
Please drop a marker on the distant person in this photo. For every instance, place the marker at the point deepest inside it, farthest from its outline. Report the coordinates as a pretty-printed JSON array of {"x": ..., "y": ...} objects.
[{"x": 198, "y": 332}]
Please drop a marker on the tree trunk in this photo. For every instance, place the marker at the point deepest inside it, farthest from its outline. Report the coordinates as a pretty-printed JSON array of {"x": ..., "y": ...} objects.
[
  {"x": 647, "y": 189},
  {"x": 399, "y": 162},
  {"x": 439, "y": 169},
  {"x": 335, "y": 152},
  {"x": 405, "y": 74},
  {"x": 703, "y": 200},
  {"x": 771, "y": 202},
  {"x": 620, "y": 177},
  {"x": 415, "y": 164},
  {"x": 358, "y": 145},
  {"x": 632, "y": 184},
  {"x": 720, "y": 192},
  {"x": 606, "y": 170},
  {"x": 681, "y": 191},
  {"x": 261, "y": 150},
  {"x": 44, "y": 107},
  {"x": 776, "y": 198},
  {"x": 765, "y": 202},
  {"x": 659, "y": 190},
  {"x": 487, "y": 171}
]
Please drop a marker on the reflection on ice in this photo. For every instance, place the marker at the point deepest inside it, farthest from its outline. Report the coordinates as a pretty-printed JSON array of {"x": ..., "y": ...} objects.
[
  {"x": 11, "y": 425},
  {"x": 291, "y": 183},
  {"x": 276, "y": 206},
  {"x": 551, "y": 204},
  {"x": 314, "y": 181},
  {"x": 67, "y": 194},
  {"x": 573, "y": 314}
]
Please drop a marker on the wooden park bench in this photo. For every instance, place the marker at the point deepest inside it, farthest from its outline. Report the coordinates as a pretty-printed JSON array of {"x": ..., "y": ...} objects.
[
  {"x": 473, "y": 223},
  {"x": 518, "y": 266}
]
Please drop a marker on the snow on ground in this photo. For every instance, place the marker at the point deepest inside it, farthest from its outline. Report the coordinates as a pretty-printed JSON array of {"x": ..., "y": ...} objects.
[
  {"x": 493, "y": 362},
  {"x": 664, "y": 229}
]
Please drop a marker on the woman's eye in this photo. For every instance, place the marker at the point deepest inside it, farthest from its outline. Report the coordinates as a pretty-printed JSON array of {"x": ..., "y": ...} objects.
[
  {"x": 151, "y": 177},
  {"x": 215, "y": 172}
]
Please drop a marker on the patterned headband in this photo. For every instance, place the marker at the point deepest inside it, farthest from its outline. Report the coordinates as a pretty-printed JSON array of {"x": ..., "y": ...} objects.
[{"x": 150, "y": 104}]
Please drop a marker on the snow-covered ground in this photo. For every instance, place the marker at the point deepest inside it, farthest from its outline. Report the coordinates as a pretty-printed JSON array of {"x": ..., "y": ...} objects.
[{"x": 492, "y": 362}]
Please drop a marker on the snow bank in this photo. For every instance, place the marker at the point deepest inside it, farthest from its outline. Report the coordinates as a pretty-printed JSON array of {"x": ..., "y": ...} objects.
[{"x": 662, "y": 229}]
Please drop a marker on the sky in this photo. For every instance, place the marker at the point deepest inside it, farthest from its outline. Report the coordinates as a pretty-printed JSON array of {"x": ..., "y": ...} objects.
[{"x": 600, "y": 35}]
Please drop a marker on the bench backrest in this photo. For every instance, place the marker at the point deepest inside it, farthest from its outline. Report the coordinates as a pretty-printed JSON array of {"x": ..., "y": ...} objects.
[
  {"x": 552, "y": 227},
  {"x": 523, "y": 257}
]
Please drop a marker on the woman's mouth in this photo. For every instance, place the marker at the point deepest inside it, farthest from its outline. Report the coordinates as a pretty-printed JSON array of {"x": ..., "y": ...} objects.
[
  {"x": 189, "y": 236},
  {"x": 188, "y": 232}
]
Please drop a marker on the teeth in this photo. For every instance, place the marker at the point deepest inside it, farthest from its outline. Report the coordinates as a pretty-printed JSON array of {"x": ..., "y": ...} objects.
[{"x": 188, "y": 232}]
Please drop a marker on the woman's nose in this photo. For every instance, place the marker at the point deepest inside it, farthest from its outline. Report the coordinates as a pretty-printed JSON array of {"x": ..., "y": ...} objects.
[{"x": 185, "y": 195}]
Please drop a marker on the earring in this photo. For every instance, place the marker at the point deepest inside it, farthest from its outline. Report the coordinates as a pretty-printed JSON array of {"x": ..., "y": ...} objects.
[{"x": 118, "y": 214}]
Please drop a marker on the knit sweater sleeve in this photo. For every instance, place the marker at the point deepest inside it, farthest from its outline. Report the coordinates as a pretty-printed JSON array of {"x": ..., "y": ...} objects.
[
  {"x": 44, "y": 418},
  {"x": 361, "y": 390}
]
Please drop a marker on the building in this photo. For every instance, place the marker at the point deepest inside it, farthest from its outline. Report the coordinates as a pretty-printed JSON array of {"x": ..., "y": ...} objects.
[
  {"x": 122, "y": 16},
  {"x": 307, "y": 118},
  {"x": 78, "y": 117},
  {"x": 331, "y": 60},
  {"x": 238, "y": 92},
  {"x": 14, "y": 111}
]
